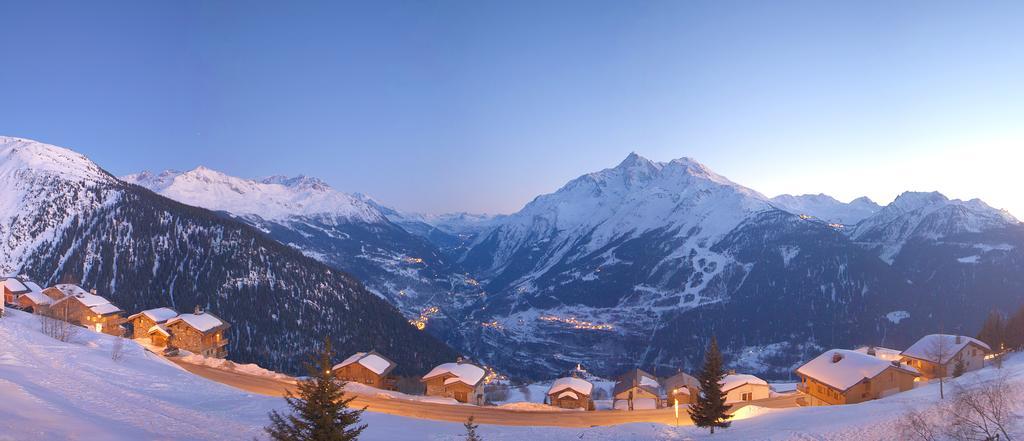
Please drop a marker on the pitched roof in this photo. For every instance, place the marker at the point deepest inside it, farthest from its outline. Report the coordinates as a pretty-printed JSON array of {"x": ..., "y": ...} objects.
[
  {"x": 158, "y": 315},
  {"x": 571, "y": 383},
  {"x": 159, "y": 328},
  {"x": 204, "y": 322},
  {"x": 372, "y": 360},
  {"x": 925, "y": 347},
  {"x": 880, "y": 352},
  {"x": 732, "y": 381},
  {"x": 462, "y": 372},
  {"x": 97, "y": 304},
  {"x": 15, "y": 285},
  {"x": 842, "y": 369},
  {"x": 681, "y": 381},
  {"x": 636, "y": 378},
  {"x": 37, "y": 297}
]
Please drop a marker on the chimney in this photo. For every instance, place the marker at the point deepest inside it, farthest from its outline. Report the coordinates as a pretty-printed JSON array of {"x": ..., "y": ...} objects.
[
  {"x": 460, "y": 360},
  {"x": 958, "y": 339},
  {"x": 92, "y": 291},
  {"x": 198, "y": 310},
  {"x": 871, "y": 350},
  {"x": 732, "y": 372},
  {"x": 836, "y": 357}
]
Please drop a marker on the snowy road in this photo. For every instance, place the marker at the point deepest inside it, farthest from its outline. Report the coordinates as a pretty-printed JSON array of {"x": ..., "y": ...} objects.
[{"x": 459, "y": 413}]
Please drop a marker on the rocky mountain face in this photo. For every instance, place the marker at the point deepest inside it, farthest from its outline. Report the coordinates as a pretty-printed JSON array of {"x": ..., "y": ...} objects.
[
  {"x": 348, "y": 232},
  {"x": 64, "y": 219},
  {"x": 640, "y": 264}
]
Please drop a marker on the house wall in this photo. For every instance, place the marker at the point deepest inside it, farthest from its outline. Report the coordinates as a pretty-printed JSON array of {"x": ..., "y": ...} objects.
[
  {"x": 77, "y": 313},
  {"x": 889, "y": 380},
  {"x": 141, "y": 325},
  {"x": 583, "y": 402},
  {"x": 459, "y": 391},
  {"x": 757, "y": 392},
  {"x": 358, "y": 373},
  {"x": 25, "y": 303},
  {"x": 972, "y": 355},
  {"x": 186, "y": 337},
  {"x": 635, "y": 393},
  {"x": 158, "y": 339}
]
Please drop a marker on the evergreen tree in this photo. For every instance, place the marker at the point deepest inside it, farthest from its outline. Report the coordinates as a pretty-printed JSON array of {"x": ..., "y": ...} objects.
[
  {"x": 1015, "y": 330},
  {"x": 320, "y": 411},
  {"x": 993, "y": 331},
  {"x": 471, "y": 430},
  {"x": 959, "y": 368},
  {"x": 710, "y": 409}
]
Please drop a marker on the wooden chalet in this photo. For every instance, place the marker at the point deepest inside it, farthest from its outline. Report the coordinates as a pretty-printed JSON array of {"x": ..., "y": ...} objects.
[
  {"x": 150, "y": 324},
  {"x": 571, "y": 393},
  {"x": 15, "y": 287},
  {"x": 924, "y": 354},
  {"x": 460, "y": 380},
  {"x": 369, "y": 368},
  {"x": 73, "y": 304},
  {"x": 200, "y": 333},
  {"x": 744, "y": 387},
  {"x": 635, "y": 390},
  {"x": 841, "y": 376},
  {"x": 682, "y": 388}
]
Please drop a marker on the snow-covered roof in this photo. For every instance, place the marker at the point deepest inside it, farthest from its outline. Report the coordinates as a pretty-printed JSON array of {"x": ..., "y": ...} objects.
[
  {"x": 159, "y": 328},
  {"x": 204, "y": 322},
  {"x": 158, "y": 315},
  {"x": 569, "y": 394},
  {"x": 880, "y": 352},
  {"x": 373, "y": 361},
  {"x": 843, "y": 369},
  {"x": 926, "y": 347},
  {"x": 577, "y": 384},
  {"x": 681, "y": 382},
  {"x": 15, "y": 285},
  {"x": 97, "y": 304},
  {"x": 463, "y": 372},
  {"x": 732, "y": 381},
  {"x": 636, "y": 378},
  {"x": 38, "y": 298}
]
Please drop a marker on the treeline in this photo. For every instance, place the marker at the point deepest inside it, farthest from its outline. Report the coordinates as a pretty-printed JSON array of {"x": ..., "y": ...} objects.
[{"x": 1004, "y": 332}]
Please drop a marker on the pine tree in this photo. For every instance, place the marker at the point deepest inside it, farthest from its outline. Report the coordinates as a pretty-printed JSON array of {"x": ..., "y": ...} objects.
[
  {"x": 1015, "y": 330},
  {"x": 993, "y": 331},
  {"x": 471, "y": 430},
  {"x": 959, "y": 368},
  {"x": 320, "y": 411},
  {"x": 710, "y": 409}
]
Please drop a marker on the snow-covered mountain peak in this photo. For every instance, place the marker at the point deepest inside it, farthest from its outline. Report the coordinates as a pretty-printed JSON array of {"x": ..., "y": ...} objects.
[
  {"x": 825, "y": 207},
  {"x": 273, "y": 198},
  {"x": 915, "y": 200},
  {"x": 20, "y": 157}
]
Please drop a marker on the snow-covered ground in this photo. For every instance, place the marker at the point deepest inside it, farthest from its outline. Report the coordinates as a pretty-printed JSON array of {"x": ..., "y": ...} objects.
[{"x": 55, "y": 391}]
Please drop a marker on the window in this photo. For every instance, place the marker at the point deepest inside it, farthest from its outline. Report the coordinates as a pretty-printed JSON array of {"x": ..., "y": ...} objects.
[{"x": 747, "y": 396}]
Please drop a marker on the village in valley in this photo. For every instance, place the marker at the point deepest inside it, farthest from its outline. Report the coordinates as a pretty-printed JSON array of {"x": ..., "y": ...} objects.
[{"x": 835, "y": 377}]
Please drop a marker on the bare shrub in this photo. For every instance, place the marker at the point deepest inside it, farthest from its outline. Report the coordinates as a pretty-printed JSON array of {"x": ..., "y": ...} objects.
[
  {"x": 117, "y": 349},
  {"x": 938, "y": 352},
  {"x": 983, "y": 411},
  {"x": 916, "y": 425},
  {"x": 601, "y": 393},
  {"x": 57, "y": 328}
]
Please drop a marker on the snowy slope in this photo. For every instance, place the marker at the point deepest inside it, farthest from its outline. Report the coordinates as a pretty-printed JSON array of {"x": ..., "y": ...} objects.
[
  {"x": 272, "y": 198},
  {"x": 143, "y": 397},
  {"x": 827, "y": 208},
  {"x": 62, "y": 218},
  {"x": 57, "y": 183}
]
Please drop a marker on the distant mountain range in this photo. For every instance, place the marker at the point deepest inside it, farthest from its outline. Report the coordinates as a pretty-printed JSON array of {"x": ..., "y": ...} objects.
[
  {"x": 639, "y": 264},
  {"x": 65, "y": 219}
]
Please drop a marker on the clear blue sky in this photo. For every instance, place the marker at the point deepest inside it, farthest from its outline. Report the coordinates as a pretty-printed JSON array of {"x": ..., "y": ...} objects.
[{"x": 481, "y": 105}]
